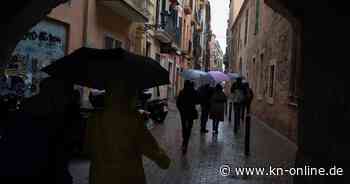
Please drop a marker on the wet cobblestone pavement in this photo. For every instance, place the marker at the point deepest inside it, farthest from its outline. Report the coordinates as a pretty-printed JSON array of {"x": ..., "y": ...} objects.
[{"x": 208, "y": 152}]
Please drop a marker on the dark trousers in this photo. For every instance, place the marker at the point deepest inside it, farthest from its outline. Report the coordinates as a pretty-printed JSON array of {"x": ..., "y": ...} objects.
[
  {"x": 187, "y": 125},
  {"x": 245, "y": 109},
  {"x": 230, "y": 111},
  {"x": 204, "y": 118},
  {"x": 238, "y": 112},
  {"x": 215, "y": 125}
]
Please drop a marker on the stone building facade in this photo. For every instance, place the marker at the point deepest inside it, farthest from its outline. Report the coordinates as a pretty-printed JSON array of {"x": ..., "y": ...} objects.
[{"x": 264, "y": 49}]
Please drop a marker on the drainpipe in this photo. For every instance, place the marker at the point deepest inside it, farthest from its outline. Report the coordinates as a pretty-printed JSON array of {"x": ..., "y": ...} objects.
[{"x": 86, "y": 23}]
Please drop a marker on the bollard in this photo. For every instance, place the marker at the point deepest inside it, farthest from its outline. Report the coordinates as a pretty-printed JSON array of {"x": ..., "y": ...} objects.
[{"x": 247, "y": 136}]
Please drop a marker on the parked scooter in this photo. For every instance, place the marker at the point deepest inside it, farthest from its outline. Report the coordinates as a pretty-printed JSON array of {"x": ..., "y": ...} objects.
[{"x": 156, "y": 109}]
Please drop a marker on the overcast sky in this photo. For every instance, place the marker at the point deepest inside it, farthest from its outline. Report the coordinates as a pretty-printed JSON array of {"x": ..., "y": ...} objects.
[{"x": 219, "y": 16}]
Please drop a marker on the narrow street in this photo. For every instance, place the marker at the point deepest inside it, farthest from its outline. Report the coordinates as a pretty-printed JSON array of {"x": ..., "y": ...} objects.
[{"x": 208, "y": 152}]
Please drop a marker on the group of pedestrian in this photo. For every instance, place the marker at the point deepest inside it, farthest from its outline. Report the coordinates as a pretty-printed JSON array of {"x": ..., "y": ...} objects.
[
  {"x": 116, "y": 137},
  {"x": 212, "y": 101},
  {"x": 242, "y": 97}
]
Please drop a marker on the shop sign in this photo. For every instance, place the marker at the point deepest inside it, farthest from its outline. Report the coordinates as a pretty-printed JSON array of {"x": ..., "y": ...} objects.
[{"x": 43, "y": 44}]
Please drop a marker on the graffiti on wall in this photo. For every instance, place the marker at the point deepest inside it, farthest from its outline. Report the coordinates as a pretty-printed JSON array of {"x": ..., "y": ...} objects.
[{"x": 43, "y": 44}]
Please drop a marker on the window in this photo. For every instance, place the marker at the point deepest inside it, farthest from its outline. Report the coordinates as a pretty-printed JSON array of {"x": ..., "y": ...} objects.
[
  {"x": 272, "y": 80},
  {"x": 240, "y": 66},
  {"x": 294, "y": 70},
  {"x": 111, "y": 43},
  {"x": 239, "y": 37},
  {"x": 254, "y": 75},
  {"x": 257, "y": 13},
  {"x": 246, "y": 28},
  {"x": 261, "y": 77},
  {"x": 170, "y": 69},
  {"x": 272, "y": 70}
]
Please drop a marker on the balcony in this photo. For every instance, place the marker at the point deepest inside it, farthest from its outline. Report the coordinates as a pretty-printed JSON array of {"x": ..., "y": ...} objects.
[
  {"x": 166, "y": 33},
  {"x": 133, "y": 10},
  {"x": 163, "y": 36}
]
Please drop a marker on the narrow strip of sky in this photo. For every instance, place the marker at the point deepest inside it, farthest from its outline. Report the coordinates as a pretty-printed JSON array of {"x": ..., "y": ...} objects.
[{"x": 219, "y": 16}]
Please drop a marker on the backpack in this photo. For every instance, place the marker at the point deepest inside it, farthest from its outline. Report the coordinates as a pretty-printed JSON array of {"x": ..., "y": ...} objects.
[{"x": 238, "y": 95}]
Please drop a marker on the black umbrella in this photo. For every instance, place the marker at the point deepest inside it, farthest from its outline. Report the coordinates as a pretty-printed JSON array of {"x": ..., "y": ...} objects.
[{"x": 94, "y": 67}]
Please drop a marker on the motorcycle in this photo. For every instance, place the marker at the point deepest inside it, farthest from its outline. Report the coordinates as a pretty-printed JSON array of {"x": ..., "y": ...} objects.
[{"x": 158, "y": 109}]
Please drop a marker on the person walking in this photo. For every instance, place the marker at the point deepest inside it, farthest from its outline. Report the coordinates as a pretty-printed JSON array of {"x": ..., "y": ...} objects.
[
  {"x": 50, "y": 110},
  {"x": 217, "y": 107},
  {"x": 248, "y": 96},
  {"x": 186, "y": 103},
  {"x": 238, "y": 97},
  {"x": 205, "y": 93},
  {"x": 117, "y": 139}
]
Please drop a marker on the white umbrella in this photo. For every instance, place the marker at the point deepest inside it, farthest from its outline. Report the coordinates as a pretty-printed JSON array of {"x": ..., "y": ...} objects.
[{"x": 191, "y": 74}]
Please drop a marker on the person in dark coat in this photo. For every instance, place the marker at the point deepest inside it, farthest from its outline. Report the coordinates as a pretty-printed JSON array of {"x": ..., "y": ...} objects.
[
  {"x": 248, "y": 98},
  {"x": 205, "y": 93},
  {"x": 186, "y": 103},
  {"x": 217, "y": 107},
  {"x": 24, "y": 150},
  {"x": 58, "y": 113},
  {"x": 238, "y": 98},
  {"x": 35, "y": 146}
]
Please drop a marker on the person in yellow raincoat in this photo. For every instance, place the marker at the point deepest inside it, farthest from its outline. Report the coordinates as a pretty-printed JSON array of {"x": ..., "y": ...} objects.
[{"x": 117, "y": 138}]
